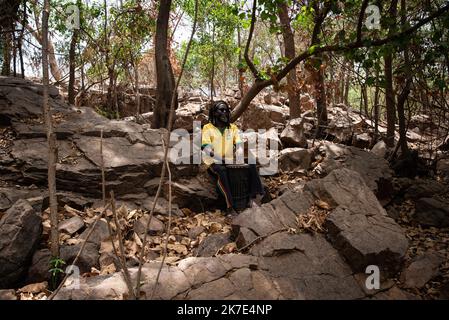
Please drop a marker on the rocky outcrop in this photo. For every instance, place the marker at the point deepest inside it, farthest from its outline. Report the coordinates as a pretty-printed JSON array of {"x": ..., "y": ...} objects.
[
  {"x": 373, "y": 169},
  {"x": 20, "y": 233},
  {"x": 268, "y": 116},
  {"x": 280, "y": 262},
  {"x": 294, "y": 133},
  {"x": 358, "y": 226},
  {"x": 231, "y": 277},
  {"x": 132, "y": 153},
  {"x": 295, "y": 158}
]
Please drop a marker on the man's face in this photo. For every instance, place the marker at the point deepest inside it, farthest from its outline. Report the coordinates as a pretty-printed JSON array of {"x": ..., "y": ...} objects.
[{"x": 222, "y": 113}]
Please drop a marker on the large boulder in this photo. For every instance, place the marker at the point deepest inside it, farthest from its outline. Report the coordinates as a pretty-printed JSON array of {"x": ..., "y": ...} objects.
[
  {"x": 374, "y": 169},
  {"x": 343, "y": 123},
  {"x": 358, "y": 226},
  {"x": 88, "y": 258},
  {"x": 267, "y": 116},
  {"x": 195, "y": 194},
  {"x": 431, "y": 212},
  {"x": 9, "y": 195},
  {"x": 20, "y": 233},
  {"x": 40, "y": 266},
  {"x": 186, "y": 114},
  {"x": 293, "y": 134},
  {"x": 295, "y": 158}
]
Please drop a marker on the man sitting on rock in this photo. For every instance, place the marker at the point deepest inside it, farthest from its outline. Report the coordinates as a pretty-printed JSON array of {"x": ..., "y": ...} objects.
[{"x": 220, "y": 138}]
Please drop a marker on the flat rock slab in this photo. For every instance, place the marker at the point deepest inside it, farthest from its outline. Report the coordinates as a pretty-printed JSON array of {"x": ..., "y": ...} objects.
[
  {"x": 212, "y": 244},
  {"x": 306, "y": 267},
  {"x": 71, "y": 225},
  {"x": 118, "y": 152},
  {"x": 9, "y": 196},
  {"x": 224, "y": 277}
]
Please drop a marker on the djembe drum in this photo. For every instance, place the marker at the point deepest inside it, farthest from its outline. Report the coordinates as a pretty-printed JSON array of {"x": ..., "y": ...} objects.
[{"x": 238, "y": 176}]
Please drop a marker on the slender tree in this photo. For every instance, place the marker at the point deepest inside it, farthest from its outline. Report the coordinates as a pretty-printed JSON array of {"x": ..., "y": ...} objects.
[
  {"x": 289, "y": 52},
  {"x": 165, "y": 80},
  {"x": 51, "y": 136}
]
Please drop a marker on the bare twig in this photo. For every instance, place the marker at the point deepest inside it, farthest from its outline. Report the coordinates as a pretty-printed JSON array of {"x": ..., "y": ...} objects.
[
  {"x": 122, "y": 250},
  {"x": 168, "y": 227},
  {"x": 80, "y": 251},
  {"x": 261, "y": 238},
  {"x": 103, "y": 182}
]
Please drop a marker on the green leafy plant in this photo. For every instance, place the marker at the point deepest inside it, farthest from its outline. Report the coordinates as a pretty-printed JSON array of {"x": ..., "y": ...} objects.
[{"x": 55, "y": 270}]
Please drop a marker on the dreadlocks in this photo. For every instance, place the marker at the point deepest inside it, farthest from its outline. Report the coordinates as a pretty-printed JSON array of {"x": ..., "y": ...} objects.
[{"x": 213, "y": 111}]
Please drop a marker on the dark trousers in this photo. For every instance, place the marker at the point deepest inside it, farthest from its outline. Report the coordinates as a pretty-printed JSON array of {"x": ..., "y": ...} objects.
[{"x": 219, "y": 173}]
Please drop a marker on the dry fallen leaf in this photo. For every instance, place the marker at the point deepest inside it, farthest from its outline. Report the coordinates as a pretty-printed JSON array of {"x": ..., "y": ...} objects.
[
  {"x": 179, "y": 248},
  {"x": 215, "y": 227},
  {"x": 109, "y": 269},
  {"x": 131, "y": 214},
  {"x": 322, "y": 204},
  {"x": 106, "y": 246},
  {"x": 72, "y": 241}
]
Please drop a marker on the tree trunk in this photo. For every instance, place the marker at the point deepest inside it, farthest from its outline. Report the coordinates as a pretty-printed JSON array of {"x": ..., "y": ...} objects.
[
  {"x": 110, "y": 94},
  {"x": 165, "y": 80},
  {"x": 20, "y": 42},
  {"x": 51, "y": 137},
  {"x": 14, "y": 51},
  {"x": 365, "y": 100},
  {"x": 376, "y": 107},
  {"x": 241, "y": 71},
  {"x": 212, "y": 74},
  {"x": 72, "y": 65},
  {"x": 137, "y": 88},
  {"x": 289, "y": 51},
  {"x": 389, "y": 91},
  {"x": 389, "y": 100},
  {"x": 225, "y": 74},
  {"x": 405, "y": 90},
  {"x": 321, "y": 101},
  {"x": 54, "y": 68},
  {"x": 346, "y": 85},
  {"x": 6, "y": 68}
]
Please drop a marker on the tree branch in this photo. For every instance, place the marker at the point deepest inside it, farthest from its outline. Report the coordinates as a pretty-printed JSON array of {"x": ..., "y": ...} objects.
[
  {"x": 258, "y": 86},
  {"x": 360, "y": 21},
  {"x": 250, "y": 64}
]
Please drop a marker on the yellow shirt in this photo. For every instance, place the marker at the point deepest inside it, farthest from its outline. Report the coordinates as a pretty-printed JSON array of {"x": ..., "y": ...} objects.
[{"x": 222, "y": 144}]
